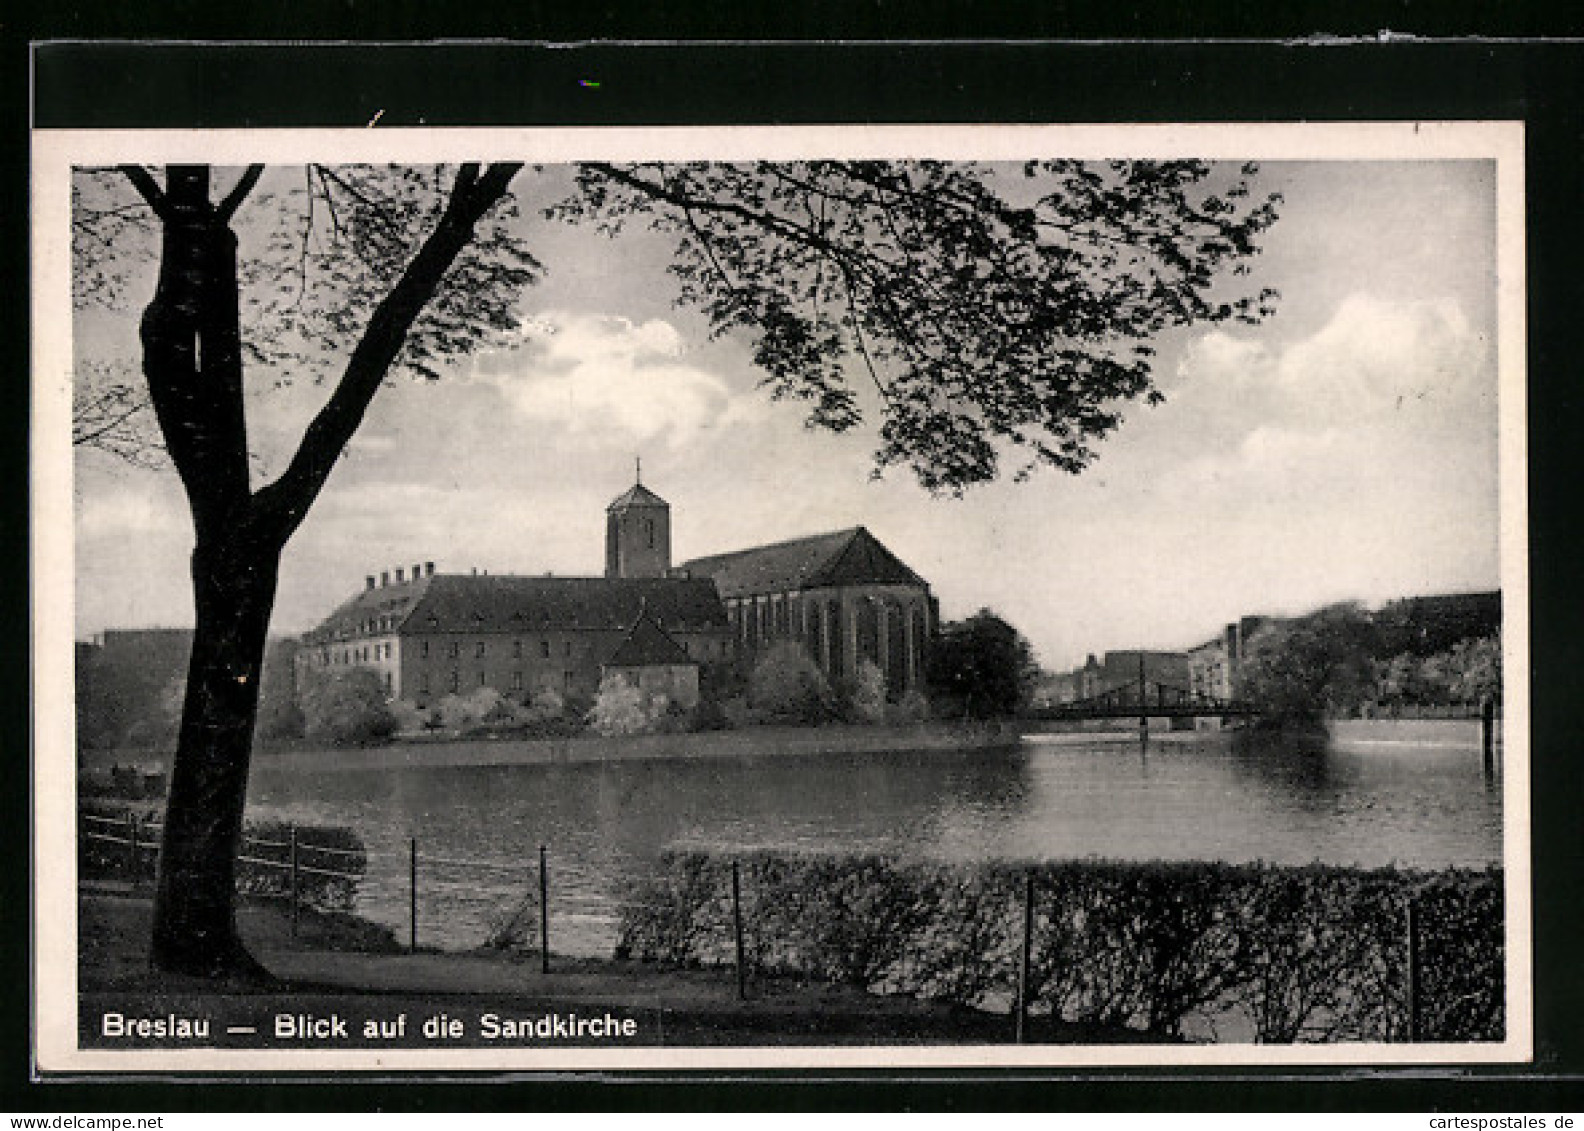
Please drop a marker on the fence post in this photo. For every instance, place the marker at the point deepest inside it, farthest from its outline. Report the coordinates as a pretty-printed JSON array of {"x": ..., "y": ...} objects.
[
  {"x": 1411, "y": 925},
  {"x": 1488, "y": 736},
  {"x": 544, "y": 913},
  {"x": 132, "y": 848},
  {"x": 294, "y": 888},
  {"x": 412, "y": 895},
  {"x": 737, "y": 927},
  {"x": 1026, "y": 958}
]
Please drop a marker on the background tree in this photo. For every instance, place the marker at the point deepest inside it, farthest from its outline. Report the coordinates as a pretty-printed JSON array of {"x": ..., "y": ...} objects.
[
  {"x": 280, "y": 710},
  {"x": 345, "y": 708},
  {"x": 981, "y": 668},
  {"x": 787, "y": 686},
  {"x": 986, "y": 314},
  {"x": 1299, "y": 671}
]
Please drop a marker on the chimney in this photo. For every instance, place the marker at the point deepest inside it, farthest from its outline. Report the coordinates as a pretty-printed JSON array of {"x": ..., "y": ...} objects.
[
  {"x": 369, "y": 581},
  {"x": 429, "y": 569},
  {"x": 398, "y": 575},
  {"x": 475, "y": 571},
  {"x": 384, "y": 579},
  {"x": 417, "y": 571}
]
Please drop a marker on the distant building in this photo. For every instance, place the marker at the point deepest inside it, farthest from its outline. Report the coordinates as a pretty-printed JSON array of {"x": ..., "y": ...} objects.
[
  {"x": 1121, "y": 669},
  {"x": 1053, "y": 689},
  {"x": 430, "y": 635},
  {"x": 131, "y": 683},
  {"x": 129, "y": 686},
  {"x": 451, "y": 634},
  {"x": 1424, "y": 626},
  {"x": 655, "y": 663},
  {"x": 1213, "y": 665},
  {"x": 842, "y": 597}
]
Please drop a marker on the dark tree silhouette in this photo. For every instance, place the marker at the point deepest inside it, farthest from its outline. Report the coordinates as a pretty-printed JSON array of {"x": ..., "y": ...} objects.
[
  {"x": 1300, "y": 670},
  {"x": 972, "y": 311},
  {"x": 981, "y": 667}
]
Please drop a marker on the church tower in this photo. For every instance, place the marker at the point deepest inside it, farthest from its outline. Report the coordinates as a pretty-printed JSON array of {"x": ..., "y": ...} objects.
[{"x": 637, "y": 533}]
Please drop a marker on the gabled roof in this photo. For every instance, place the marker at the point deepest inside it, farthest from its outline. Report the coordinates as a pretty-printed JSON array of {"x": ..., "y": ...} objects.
[
  {"x": 647, "y": 645},
  {"x": 509, "y": 603},
  {"x": 636, "y": 496},
  {"x": 845, "y": 557}
]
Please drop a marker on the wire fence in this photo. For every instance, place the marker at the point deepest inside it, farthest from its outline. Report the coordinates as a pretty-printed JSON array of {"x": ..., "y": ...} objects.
[{"x": 418, "y": 894}]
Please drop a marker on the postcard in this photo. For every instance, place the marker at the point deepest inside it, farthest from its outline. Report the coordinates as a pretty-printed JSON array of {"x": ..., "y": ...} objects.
[{"x": 811, "y": 597}]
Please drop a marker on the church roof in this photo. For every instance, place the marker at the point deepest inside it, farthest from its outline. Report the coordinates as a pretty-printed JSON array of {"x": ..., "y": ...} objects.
[
  {"x": 647, "y": 645},
  {"x": 636, "y": 496},
  {"x": 510, "y": 603},
  {"x": 844, "y": 557}
]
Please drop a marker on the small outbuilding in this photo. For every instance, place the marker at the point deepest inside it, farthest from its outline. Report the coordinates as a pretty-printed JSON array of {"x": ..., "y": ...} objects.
[{"x": 652, "y": 661}]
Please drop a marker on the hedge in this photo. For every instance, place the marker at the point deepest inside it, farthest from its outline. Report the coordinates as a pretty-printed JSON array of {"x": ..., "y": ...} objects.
[{"x": 1278, "y": 954}]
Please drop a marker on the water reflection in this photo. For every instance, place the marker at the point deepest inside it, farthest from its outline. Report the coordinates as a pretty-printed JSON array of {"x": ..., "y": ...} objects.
[{"x": 1217, "y": 797}]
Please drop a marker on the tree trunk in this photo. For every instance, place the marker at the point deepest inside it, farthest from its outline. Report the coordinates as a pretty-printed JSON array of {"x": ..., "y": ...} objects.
[
  {"x": 194, "y": 918},
  {"x": 192, "y": 359}
]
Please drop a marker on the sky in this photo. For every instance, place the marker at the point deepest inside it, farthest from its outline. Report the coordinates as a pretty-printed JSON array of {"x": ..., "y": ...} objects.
[{"x": 1344, "y": 449}]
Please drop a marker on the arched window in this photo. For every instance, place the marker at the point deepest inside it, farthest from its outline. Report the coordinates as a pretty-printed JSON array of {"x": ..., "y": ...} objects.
[
  {"x": 869, "y": 630},
  {"x": 838, "y": 640}
]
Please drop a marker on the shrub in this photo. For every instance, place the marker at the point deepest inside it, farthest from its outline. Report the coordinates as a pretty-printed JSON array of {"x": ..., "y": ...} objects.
[
  {"x": 265, "y": 865},
  {"x": 869, "y": 694},
  {"x": 787, "y": 686},
  {"x": 409, "y": 716},
  {"x": 913, "y": 707},
  {"x": 346, "y": 708},
  {"x": 546, "y": 704},
  {"x": 622, "y": 708}
]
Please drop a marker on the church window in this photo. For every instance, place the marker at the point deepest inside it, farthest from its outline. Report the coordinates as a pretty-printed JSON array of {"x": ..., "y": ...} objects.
[
  {"x": 423, "y": 649},
  {"x": 516, "y": 649},
  {"x": 517, "y": 681},
  {"x": 456, "y": 681},
  {"x": 423, "y": 683},
  {"x": 649, "y": 531},
  {"x": 455, "y": 649},
  {"x": 544, "y": 649},
  {"x": 566, "y": 649},
  {"x": 481, "y": 679},
  {"x": 479, "y": 651}
]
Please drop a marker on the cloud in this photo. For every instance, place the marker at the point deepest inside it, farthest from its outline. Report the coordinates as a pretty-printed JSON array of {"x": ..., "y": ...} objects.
[
  {"x": 611, "y": 376},
  {"x": 128, "y": 514},
  {"x": 1412, "y": 367},
  {"x": 1377, "y": 357}
]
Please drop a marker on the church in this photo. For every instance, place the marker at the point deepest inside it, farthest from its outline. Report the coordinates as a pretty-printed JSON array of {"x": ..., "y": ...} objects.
[{"x": 841, "y": 597}]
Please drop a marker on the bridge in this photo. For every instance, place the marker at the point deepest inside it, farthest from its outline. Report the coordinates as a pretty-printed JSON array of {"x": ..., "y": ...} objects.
[{"x": 1143, "y": 698}]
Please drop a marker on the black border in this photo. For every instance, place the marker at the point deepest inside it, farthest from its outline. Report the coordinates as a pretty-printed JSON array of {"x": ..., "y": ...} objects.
[{"x": 127, "y": 85}]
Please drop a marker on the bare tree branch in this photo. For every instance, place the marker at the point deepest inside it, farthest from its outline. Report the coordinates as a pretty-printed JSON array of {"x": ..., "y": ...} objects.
[
  {"x": 148, "y": 188},
  {"x": 283, "y": 504},
  {"x": 233, "y": 199}
]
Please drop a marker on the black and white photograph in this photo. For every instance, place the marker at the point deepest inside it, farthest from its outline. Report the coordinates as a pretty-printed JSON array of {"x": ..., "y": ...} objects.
[{"x": 780, "y": 597}]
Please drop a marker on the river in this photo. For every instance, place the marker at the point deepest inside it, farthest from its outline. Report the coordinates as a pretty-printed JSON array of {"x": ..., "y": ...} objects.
[{"x": 1217, "y": 797}]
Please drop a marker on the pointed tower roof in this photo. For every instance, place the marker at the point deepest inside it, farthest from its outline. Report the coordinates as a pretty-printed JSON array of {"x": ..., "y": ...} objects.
[
  {"x": 647, "y": 645},
  {"x": 636, "y": 496}
]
